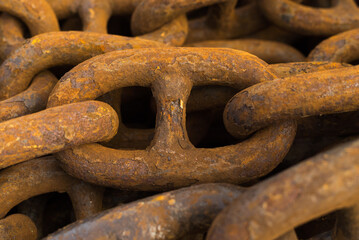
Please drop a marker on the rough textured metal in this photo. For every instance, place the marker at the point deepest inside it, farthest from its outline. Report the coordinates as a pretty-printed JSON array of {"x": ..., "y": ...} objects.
[
  {"x": 321, "y": 184},
  {"x": 55, "y": 129},
  {"x": 343, "y": 47},
  {"x": 269, "y": 51},
  {"x": 293, "y": 16},
  {"x": 208, "y": 97},
  {"x": 325, "y": 92},
  {"x": 17, "y": 227},
  {"x": 223, "y": 20},
  {"x": 35, "y": 97},
  {"x": 58, "y": 48},
  {"x": 95, "y": 15},
  {"x": 171, "y": 160},
  {"x": 31, "y": 100},
  {"x": 170, "y": 215},
  {"x": 37, "y": 15},
  {"x": 43, "y": 175}
]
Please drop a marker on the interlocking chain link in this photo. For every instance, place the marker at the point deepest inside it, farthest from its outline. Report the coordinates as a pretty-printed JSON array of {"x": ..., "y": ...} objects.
[{"x": 179, "y": 119}]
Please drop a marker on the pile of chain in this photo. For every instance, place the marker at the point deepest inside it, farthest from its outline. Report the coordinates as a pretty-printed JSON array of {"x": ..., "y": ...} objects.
[{"x": 179, "y": 119}]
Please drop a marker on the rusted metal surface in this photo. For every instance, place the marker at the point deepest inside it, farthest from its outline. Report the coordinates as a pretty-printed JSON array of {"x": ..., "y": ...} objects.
[
  {"x": 161, "y": 166},
  {"x": 55, "y": 129},
  {"x": 17, "y": 227},
  {"x": 343, "y": 47},
  {"x": 35, "y": 97},
  {"x": 95, "y": 15},
  {"x": 321, "y": 184},
  {"x": 223, "y": 20},
  {"x": 11, "y": 33},
  {"x": 43, "y": 175},
  {"x": 325, "y": 92},
  {"x": 207, "y": 97},
  {"x": 58, "y": 48},
  {"x": 170, "y": 215},
  {"x": 269, "y": 51},
  {"x": 37, "y": 15},
  {"x": 293, "y": 16},
  {"x": 31, "y": 100},
  {"x": 157, "y": 121}
]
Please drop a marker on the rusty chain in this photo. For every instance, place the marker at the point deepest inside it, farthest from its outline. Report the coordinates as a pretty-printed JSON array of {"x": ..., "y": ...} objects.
[{"x": 179, "y": 119}]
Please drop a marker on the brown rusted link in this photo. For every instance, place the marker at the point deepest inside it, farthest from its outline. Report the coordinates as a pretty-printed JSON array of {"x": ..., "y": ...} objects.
[
  {"x": 291, "y": 69},
  {"x": 173, "y": 33},
  {"x": 269, "y": 51},
  {"x": 55, "y": 129},
  {"x": 325, "y": 92},
  {"x": 223, "y": 20},
  {"x": 343, "y": 47},
  {"x": 31, "y": 100},
  {"x": 95, "y": 15},
  {"x": 171, "y": 161},
  {"x": 208, "y": 97},
  {"x": 44, "y": 175},
  {"x": 35, "y": 97},
  {"x": 319, "y": 185},
  {"x": 38, "y": 15},
  {"x": 56, "y": 48},
  {"x": 302, "y": 19},
  {"x": 170, "y": 215},
  {"x": 68, "y": 8},
  {"x": 11, "y": 34},
  {"x": 17, "y": 227}
]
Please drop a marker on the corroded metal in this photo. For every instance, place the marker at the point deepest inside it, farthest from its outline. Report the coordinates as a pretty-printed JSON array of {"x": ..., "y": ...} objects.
[
  {"x": 269, "y": 51},
  {"x": 44, "y": 175},
  {"x": 324, "y": 92},
  {"x": 55, "y": 129},
  {"x": 321, "y": 184},
  {"x": 95, "y": 15},
  {"x": 170, "y": 215},
  {"x": 37, "y": 15},
  {"x": 343, "y": 47},
  {"x": 17, "y": 227},
  {"x": 58, "y": 48},
  {"x": 171, "y": 160},
  {"x": 223, "y": 20},
  {"x": 35, "y": 97},
  {"x": 293, "y": 16}
]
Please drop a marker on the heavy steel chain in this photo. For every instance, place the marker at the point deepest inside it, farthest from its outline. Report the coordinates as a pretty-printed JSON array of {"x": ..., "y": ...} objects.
[{"x": 179, "y": 119}]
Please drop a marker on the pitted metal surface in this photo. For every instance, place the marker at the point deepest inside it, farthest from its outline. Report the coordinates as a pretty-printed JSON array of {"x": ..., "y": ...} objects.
[{"x": 179, "y": 119}]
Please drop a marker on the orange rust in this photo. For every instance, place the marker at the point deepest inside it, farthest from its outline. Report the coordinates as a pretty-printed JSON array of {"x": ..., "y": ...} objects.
[
  {"x": 223, "y": 20},
  {"x": 44, "y": 175},
  {"x": 319, "y": 185},
  {"x": 37, "y": 15},
  {"x": 55, "y": 129},
  {"x": 171, "y": 160},
  {"x": 95, "y": 15},
  {"x": 269, "y": 51},
  {"x": 17, "y": 227},
  {"x": 11, "y": 34},
  {"x": 35, "y": 97},
  {"x": 170, "y": 215},
  {"x": 56, "y": 48},
  {"x": 31, "y": 100},
  {"x": 295, "y": 17},
  {"x": 324, "y": 92},
  {"x": 343, "y": 47}
]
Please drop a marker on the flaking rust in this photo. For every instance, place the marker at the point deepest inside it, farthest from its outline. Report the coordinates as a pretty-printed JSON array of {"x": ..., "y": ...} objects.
[
  {"x": 170, "y": 161},
  {"x": 55, "y": 129}
]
